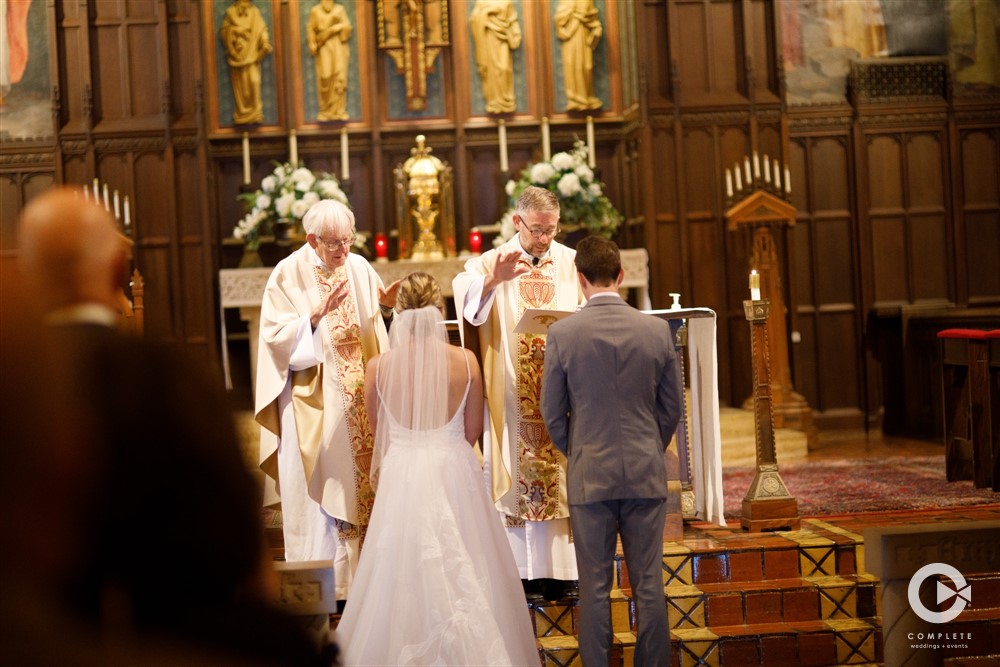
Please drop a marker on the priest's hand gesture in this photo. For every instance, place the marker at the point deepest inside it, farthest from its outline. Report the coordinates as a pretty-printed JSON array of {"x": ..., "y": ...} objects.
[
  {"x": 387, "y": 296},
  {"x": 331, "y": 296},
  {"x": 508, "y": 267}
]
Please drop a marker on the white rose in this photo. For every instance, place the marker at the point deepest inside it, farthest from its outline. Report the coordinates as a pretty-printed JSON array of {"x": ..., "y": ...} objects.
[
  {"x": 268, "y": 184},
  {"x": 569, "y": 185},
  {"x": 299, "y": 208},
  {"x": 263, "y": 201},
  {"x": 562, "y": 161},
  {"x": 595, "y": 189},
  {"x": 284, "y": 205},
  {"x": 584, "y": 172},
  {"x": 303, "y": 179},
  {"x": 280, "y": 171},
  {"x": 509, "y": 188},
  {"x": 310, "y": 198},
  {"x": 541, "y": 173}
]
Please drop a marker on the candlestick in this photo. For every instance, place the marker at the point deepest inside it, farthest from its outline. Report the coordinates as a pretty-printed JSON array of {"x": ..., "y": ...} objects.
[
  {"x": 788, "y": 181},
  {"x": 246, "y": 158},
  {"x": 381, "y": 248},
  {"x": 502, "y": 132},
  {"x": 97, "y": 192},
  {"x": 345, "y": 165},
  {"x": 739, "y": 178},
  {"x": 729, "y": 183},
  {"x": 546, "y": 148},
  {"x": 475, "y": 241},
  {"x": 777, "y": 176},
  {"x": 293, "y": 149},
  {"x": 767, "y": 170},
  {"x": 115, "y": 200},
  {"x": 128, "y": 219},
  {"x": 746, "y": 170},
  {"x": 756, "y": 165},
  {"x": 107, "y": 204},
  {"x": 754, "y": 285},
  {"x": 591, "y": 156}
]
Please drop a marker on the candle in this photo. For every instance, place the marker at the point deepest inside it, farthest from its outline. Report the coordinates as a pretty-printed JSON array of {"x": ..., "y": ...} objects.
[
  {"x": 754, "y": 285},
  {"x": 381, "y": 247},
  {"x": 128, "y": 220},
  {"x": 739, "y": 179},
  {"x": 97, "y": 192},
  {"x": 777, "y": 175},
  {"x": 502, "y": 131},
  {"x": 746, "y": 170},
  {"x": 756, "y": 166},
  {"x": 107, "y": 204},
  {"x": 293, "y": 149},
  {"x": 117, "y": 211},
  {"x": 788, "y": 181},
  {"x": 729, "y": 183},
  {"x": 546, "y": 148},
  {"x": 345, "y": 166},
  {"x": 475, "y": 241},
  {"x": 591, "y": 156},
  {"x": 767, "y": 170},
  {"x": 86, "y": 193},
  {"x": 246, "y": 158}
]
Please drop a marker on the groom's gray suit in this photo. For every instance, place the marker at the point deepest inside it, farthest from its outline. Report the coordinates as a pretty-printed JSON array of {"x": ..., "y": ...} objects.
[{"x": 611, "y": 400}]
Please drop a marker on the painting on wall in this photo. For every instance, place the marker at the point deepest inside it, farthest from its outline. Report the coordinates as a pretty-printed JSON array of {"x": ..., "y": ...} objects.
[
  {"x": 822, "y": 37},
  {"x": 25, "y": 97}
]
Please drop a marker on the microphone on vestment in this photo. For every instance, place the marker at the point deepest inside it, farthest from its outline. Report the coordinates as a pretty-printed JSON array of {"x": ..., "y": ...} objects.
[{"x": 535, "y": 261}]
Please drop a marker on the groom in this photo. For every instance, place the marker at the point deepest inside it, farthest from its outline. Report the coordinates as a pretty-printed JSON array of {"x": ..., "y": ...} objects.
[{"x": 611, "y": 400}]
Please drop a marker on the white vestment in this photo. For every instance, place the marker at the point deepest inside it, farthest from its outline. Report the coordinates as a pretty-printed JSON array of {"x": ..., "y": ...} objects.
[
  {"x": 542, "y": 549},
  {"x": 336, "y": 489}
]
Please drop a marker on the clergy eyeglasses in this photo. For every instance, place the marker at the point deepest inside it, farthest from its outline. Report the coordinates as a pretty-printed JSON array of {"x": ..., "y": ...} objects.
[
  {"x": 335, "y": 243},
  {"x": 538, "y": 232}
]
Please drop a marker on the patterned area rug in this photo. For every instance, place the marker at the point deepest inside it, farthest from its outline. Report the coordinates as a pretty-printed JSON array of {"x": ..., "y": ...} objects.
[{"x": 840, "y": 486}]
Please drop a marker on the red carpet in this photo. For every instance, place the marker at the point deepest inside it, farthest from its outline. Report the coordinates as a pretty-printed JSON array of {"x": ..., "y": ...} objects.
[{"x": 840, "y": 486}]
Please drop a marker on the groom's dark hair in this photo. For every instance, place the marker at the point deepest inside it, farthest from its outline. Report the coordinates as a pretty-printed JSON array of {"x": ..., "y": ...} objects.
[{"x": 598, "y": 259}]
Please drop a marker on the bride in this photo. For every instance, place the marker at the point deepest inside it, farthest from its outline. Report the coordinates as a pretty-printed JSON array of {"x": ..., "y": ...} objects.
[{"x": 436, "y": 583}]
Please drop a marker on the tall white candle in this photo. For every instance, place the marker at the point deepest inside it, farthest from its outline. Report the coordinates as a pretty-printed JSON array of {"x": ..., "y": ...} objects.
[
  {"x": 246, "y": 158},
  {"x": 502, "y": 132},
  {"x": 591, "y": 155},
  {"x": 117, "y": 210},
  {"x": 97, "y": 192},
  {"x": 128, "y": 218},
  {"x": 345, "y": 163},
  {"x": 739, "y": 179},
  {"x": 293, "y": 149},
  {"x": 107, "y": 202},
  {"x": 754, "y": 285},
  {"x": 746, "y": 170},
  {"x": 788, "y": 180},
  {"x": 86, "y": 193},
  {"x": 756, "y": 165},
  {"x": 777, "y": 175},
  {"x": 729, "y": 183},
  {"x": 546, "y": 147},
  {"x": 767, "y": 170}
]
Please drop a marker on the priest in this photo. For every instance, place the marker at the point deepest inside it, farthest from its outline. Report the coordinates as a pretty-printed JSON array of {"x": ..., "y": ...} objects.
[{"x": 323, "y": 316}]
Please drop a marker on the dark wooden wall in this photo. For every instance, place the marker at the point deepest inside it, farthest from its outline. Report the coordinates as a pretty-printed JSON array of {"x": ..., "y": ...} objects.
[{"x": 899, "y": 202}]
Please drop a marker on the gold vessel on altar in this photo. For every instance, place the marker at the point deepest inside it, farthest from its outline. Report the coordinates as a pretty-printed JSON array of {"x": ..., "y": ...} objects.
[{"x": 425, "y": 210}]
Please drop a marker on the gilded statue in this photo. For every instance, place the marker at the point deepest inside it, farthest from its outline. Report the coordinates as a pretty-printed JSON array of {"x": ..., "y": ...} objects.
[
  {"x": 495, "y": 33},
  {"x": 244, "y": 37},
  {"x": 579, "y": 28},
  {"x": 328, "y": 32}
]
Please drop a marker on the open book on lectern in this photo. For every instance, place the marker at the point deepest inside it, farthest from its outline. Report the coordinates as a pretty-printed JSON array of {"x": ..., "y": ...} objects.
[{"x": 538, "y": 320}]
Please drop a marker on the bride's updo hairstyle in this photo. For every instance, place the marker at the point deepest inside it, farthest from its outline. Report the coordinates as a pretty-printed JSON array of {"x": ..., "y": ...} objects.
[{"x": 418, "y": 290}]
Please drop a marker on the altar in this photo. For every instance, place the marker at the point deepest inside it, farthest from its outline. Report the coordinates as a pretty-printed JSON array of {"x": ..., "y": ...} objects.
[{"x": 244, "y": 289}]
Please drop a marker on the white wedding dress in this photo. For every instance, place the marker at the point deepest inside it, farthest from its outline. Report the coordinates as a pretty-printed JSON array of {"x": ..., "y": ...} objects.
[{"x": 436, "y": 583}]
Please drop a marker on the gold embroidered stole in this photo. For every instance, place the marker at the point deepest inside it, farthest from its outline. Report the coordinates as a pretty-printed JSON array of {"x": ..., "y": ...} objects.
[
  {"x": 344, "y": 326},
  {"x": 539, "y": 464}
]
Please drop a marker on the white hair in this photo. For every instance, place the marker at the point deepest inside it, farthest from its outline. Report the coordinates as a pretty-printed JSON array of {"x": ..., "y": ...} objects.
[{"x": 329, "y": 217}]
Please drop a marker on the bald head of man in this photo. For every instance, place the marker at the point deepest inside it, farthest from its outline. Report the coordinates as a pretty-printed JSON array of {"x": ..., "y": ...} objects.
[{"x": 70, "y": 252}]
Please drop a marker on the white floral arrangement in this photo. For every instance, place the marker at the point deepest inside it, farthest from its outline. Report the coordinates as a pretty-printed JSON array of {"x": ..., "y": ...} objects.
[
  {"x": 286, "y": 194},
  {"x": 582, "y": 201}
]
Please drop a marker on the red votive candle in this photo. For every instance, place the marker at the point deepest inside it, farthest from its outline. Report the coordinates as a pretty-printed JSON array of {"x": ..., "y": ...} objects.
[
  {"x": 475, "y": 241},
  {"x": 381, "y": 247}
]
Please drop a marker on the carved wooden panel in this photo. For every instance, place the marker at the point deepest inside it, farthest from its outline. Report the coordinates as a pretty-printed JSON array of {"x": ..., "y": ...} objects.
[{"x": 980, "y": 192}]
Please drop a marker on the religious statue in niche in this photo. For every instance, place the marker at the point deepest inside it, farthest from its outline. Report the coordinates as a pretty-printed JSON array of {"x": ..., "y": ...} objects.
[
  {"x": 495, "y": 33},
  {"x": 327, "y": 33},
  {"x": 413, "y": 33},
  {"x": 244, "y": 37},
  {"x": 579, "y": 28}
]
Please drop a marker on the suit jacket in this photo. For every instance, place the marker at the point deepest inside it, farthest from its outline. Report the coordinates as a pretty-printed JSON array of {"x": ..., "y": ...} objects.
[{"x": 611, "y": 400}]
